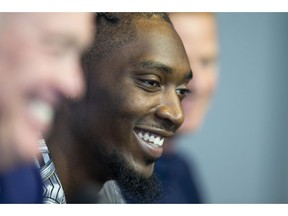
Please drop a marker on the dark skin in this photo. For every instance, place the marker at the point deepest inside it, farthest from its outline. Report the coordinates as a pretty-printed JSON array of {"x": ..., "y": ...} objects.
[{"x": 137, "y": 88}]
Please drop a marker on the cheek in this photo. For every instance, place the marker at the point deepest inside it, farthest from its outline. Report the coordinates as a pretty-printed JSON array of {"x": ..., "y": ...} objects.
[
  {"x": 136, "y": 104},
  {"x": 116, "y": 105},
  {"x": 188, "y": 106},
  {"x": 211, "y": 82},
  {"x": 207, "y": 81},
  {"x": 37, "y": 67}
]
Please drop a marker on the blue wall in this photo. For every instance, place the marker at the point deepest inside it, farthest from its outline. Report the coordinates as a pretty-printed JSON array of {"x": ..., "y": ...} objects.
[{"x": 242, "y": 149}]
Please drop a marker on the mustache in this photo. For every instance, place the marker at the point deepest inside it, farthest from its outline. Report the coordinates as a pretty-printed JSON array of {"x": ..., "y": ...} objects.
[{"x": 159, "y": 124}]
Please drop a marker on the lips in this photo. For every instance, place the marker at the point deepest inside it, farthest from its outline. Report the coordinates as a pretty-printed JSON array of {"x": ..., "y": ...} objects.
[
  {"x": 151, "y": 138},
  {"x": 150, "y": 142}
]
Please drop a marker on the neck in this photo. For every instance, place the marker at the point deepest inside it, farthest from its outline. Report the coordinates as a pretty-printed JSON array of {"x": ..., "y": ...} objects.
[{"x": 80, "y": 180}]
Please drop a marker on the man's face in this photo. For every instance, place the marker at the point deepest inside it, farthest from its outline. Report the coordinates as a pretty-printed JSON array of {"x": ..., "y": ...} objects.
[
  {"x": 137, "y": 92},
  {"x": 39, "y": 64},
  {"x": 199, "y": 35}
]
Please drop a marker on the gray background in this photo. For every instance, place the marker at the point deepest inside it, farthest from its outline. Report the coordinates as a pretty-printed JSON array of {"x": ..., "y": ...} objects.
[{"x": 241, "y": 152}]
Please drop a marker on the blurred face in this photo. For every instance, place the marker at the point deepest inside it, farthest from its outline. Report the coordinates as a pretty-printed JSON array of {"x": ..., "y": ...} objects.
[
  {"x": 199, "y": 36},
  {"x": 140, "y": 88},
  {"x": 39, "y": 65}
]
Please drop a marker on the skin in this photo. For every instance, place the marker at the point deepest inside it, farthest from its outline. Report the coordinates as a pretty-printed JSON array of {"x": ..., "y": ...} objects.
[
  {"x": 138, "y": 87},
  {"x": 39, "y": 61},
  {"x": 198, "y": 32}
]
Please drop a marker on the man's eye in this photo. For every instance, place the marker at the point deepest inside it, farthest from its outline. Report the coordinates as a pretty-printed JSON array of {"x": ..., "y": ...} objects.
[
  {"x": 182, "y": 92},
  {"x": 57, "y": 52},
  {"x": 151, "y": 83},
  {"x": 208, "y": 62},
  {"x": 59, "y": 47},
  {"x": 205, "y": 62}
]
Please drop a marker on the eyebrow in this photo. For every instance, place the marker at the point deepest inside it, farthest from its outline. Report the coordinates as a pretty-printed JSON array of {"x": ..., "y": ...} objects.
[
  {"x": 156, "y": 65},
  {"x": 162, "y": 67}
]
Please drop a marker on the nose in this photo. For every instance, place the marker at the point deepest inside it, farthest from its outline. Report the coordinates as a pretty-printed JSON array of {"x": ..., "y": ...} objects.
[
  {"x": 170, "y": 111},
  {"x": 71, "y": 81}
]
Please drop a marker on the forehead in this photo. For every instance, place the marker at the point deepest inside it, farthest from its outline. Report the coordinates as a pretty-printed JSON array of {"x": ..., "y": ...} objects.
[
  {"x": 77, "y": 25},
  {"x": 32, "y": 25},
  {"x": 70, "y": 22},
  {"x": 158, "y": 41},
  {"x": 197, "y": 30}
]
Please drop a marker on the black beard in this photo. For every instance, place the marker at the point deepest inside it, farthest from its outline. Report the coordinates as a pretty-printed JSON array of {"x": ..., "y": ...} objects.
[{"x": 134, "y": 187}]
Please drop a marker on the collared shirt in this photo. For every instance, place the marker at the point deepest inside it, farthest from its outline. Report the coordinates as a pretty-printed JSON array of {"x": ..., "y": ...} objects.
[
  {"x": 53, "y": 190},
  {"x": 111, "y": 193}
]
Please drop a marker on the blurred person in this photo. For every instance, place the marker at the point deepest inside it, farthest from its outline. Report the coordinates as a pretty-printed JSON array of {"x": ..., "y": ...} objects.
[
  {"x": 198, "y": 32},
  {"x": 137, "y": 73},
  {"x": 39, "y": 66}
]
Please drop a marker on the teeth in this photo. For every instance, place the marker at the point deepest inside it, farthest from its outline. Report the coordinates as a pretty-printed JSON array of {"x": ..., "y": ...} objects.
[
  {"x": 146, "y": 137},
  {"x": 160, "y": 143},
  {"x": 41, "y": 111},
  {"x": 156, "y": 141},
  {"x": 152, "y": 138}
]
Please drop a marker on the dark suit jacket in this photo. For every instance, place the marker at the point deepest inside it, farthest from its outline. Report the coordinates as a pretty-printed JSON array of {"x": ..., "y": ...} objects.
[
  {"x": 178, "y": 180},
  {"x": 21, "y": 185}
]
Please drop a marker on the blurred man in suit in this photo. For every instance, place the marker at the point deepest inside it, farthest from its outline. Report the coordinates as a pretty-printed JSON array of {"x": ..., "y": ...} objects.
[
  {"x": 198, "y": 32},
  {"x": 39, "y": 66}
]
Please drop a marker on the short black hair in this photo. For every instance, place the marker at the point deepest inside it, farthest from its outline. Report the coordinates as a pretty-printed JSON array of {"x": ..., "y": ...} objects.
[{"x": 115, "y": 30}]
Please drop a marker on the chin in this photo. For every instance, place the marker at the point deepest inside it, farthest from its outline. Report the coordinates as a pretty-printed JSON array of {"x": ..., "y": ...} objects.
[
  {"x": 137, "y": 182},
  {"x": 145, "y": 171},
  {"x": 120, "y": 164}
]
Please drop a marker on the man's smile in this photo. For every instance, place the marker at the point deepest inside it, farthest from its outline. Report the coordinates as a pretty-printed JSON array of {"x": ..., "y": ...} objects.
[
  {"x": 40, "y": 114},
  {"x": 40, "y": 109},
  {"x": 151, "y": 138},
  {"x": 151, "y": 141}
]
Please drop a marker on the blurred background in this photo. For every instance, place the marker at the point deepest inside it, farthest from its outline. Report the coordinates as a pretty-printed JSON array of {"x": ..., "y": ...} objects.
[{"x": 241, "y": 151}]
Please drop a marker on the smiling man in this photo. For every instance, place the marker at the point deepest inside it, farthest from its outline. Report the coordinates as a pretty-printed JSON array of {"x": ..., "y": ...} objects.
[
  {"x": 39, "y": 66},
  {"x": 137, "y": 74},
  {"x": 198, "y": 32}
]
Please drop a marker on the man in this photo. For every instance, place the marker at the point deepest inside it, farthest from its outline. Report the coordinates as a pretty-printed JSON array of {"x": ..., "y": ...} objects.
[
  {"x": 137, "y": 74},
  {"x": 198, "y": 32},
  {"x": 39, "y": 65}
]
